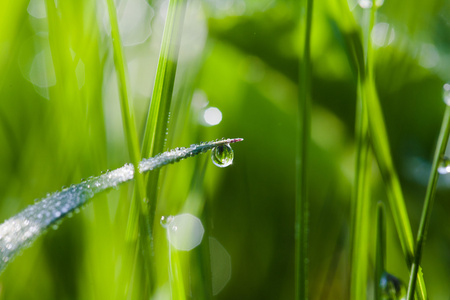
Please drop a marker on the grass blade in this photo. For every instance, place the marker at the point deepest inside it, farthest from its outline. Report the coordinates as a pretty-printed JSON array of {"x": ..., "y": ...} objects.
[
  {"x": 304, "y": 130},
  {"x": 380, "y": 260},
  {"x": 129, "y": 125},
  {"x": 382, "y": 152},
  {"x": 20, "y": 231},
  {"x": 158, "y": 114},
  {"x": 361, "y": 224},
  {"x": 429, "y": 199}
]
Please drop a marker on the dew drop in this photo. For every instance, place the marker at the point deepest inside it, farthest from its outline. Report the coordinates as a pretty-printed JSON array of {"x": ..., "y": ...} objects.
[
  {"x": 446, "y": 93},
  {"x": 165, "y": 221},
  {"x": 391, "y": 287},
  {"x": 444, "y": 166},
  {"x": 222, "y": 156}
]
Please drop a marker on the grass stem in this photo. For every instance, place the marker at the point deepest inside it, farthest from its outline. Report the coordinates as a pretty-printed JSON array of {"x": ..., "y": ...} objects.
[
  {"x": 304, "y": 124},
  {"x": 429, "y": 199}
]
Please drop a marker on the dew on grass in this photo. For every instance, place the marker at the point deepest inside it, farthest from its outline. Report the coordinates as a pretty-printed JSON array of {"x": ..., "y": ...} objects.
[
  {"x": 165, "y": 221},
  {"x": 392, "y": 288},
  {"x": 222, "y": 156},
  {"x": 444, "y": 166},
  {"x": 184, "y": 232},
  {"x": 446, "y": 93}
]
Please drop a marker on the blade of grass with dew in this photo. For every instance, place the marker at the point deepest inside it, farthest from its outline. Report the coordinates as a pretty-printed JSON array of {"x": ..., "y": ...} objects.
[
  {"x": 129, "y": 125},
  {"x": 18, "y": 232},
  {"x": 304, "y": 128},
  {"x": 428, "y": 204},
  {"x": 138, "y": 216},
  {"x": 158, "y": 114},
  {"x": 380, "y": 257},
  {"x": 159, "y": 110}
]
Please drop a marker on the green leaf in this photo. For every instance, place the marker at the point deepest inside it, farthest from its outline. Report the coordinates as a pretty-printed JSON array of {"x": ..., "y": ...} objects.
[{"x": 20, "y": 231}]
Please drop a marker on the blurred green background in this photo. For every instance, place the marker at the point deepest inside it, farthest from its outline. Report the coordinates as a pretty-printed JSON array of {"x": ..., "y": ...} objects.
[{"x": 60, "y": 122}]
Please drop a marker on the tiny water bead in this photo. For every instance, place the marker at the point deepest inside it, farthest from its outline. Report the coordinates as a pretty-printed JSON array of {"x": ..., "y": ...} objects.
[
  {"x": 446, "y": 93},
  {"x": 444, "y": 166},
  {"x": 165, "y": 221},
  {"x": 222, "y": 156},
  {"x": 392, "y": 288}
]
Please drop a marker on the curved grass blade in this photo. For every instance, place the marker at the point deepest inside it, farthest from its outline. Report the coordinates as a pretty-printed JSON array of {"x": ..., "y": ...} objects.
[
  {"x": 428, "y": 204},
  {"x": 20, "y": 231}
]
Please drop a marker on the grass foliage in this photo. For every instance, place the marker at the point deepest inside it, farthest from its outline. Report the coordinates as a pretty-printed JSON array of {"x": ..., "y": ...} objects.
[{"x": 91, "y": 85}]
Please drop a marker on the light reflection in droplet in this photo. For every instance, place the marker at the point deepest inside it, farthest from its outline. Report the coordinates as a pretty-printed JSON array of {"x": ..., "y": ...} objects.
[
  {"x": 185, "y": 232},
  {"x": 444, "y": 166},
  {"x": 222, "y": 156},
  {"x": 391, "y": 287},
  {"x": 220, "y": 265},
  {"x": 212, "y": 116},
  {"x": 382, "y": 34}
]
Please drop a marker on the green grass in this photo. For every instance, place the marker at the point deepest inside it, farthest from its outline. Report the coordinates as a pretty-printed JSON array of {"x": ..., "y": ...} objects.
[
  {"x": 92, "y": 85},
  {"x": 428, "y": 203},
  {"x": 303, "y": 145}
]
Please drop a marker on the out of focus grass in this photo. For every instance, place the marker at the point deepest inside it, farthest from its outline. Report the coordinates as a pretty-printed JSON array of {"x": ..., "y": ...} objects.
[{"x": 60, "y": 121}]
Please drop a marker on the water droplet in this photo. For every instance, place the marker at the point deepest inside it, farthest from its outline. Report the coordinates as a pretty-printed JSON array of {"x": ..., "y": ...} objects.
[
  {"x": 446, "y": 93},
  {"x": 165, "y": 221},
  {"x": 444, "y": 166},
  {"x": 222, "y": 156},
  {"x": 392, "y": 288}
]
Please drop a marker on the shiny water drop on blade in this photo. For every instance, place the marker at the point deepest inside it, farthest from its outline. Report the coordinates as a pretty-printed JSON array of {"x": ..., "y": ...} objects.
[
  {"x": 165, "y": 221},
  {"x": 444, "y": 166},
  {"x": 392, "y": 288},
  {"x": 446, "y": 93},
  {"x": 222, "y": 156}
]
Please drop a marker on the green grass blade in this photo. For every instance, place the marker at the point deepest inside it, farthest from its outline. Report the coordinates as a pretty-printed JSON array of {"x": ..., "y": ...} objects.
[
  {"x": 382, "y": 152},
  {"x": 20, "y": 231},
  {"x": 429, "y": 199},
  {"x": 380, "y": 260},
  {"x": 361, "y": 224},
  {"x": 395, "y": 195},
  {"x": 129, "y": 125},
  {"x": 304, "y": 128},
  {"x": 361, "y": 193},
  {"x": 158, "y": 114}
]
